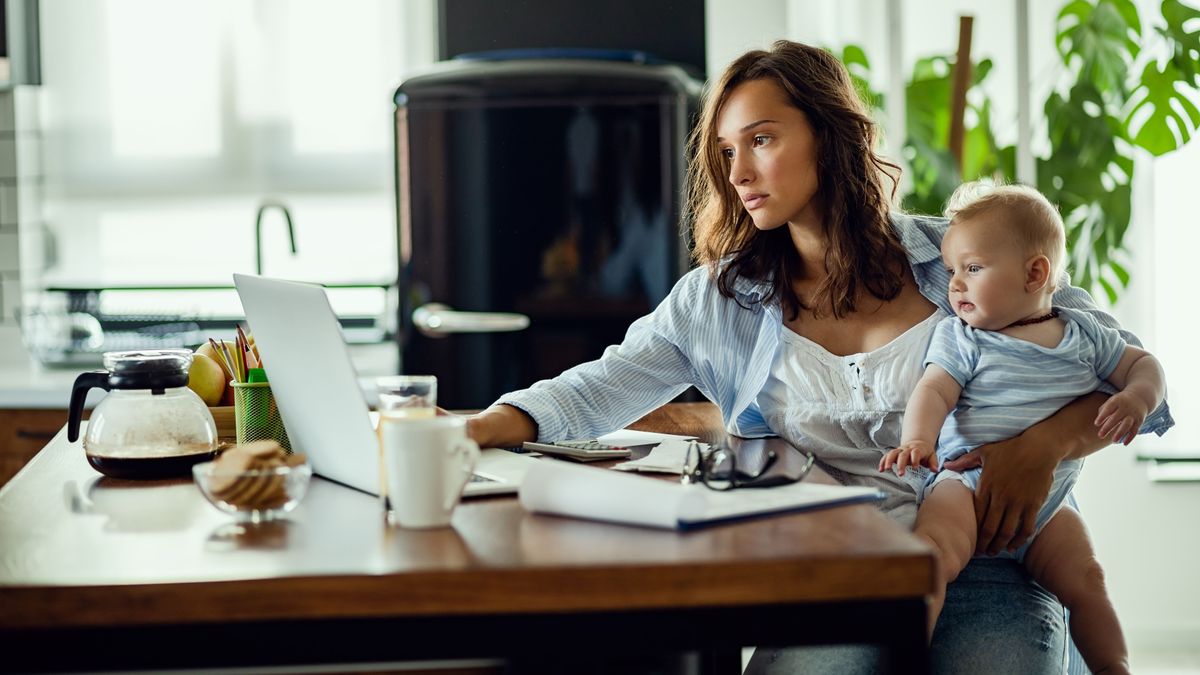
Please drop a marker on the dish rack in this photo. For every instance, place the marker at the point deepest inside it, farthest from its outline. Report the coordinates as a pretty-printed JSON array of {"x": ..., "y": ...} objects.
[{"x": 75, "y": 326}]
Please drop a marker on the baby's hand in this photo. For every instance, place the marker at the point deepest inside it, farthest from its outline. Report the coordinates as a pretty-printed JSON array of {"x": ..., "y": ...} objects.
[
  {"x": 912, "y": 453},
  {"x": 1121, "y": 416}
]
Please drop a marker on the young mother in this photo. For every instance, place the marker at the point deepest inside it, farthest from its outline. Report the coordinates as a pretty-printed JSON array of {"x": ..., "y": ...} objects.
[{"x": 809, "y": 318}]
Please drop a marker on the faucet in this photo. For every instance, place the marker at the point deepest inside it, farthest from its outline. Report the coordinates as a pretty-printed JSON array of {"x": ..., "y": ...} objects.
[{"x": 287, "y": 215}]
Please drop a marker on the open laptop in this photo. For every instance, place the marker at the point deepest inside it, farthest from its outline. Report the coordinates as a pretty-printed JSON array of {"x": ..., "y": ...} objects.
[{"x": 318, "y": 394}]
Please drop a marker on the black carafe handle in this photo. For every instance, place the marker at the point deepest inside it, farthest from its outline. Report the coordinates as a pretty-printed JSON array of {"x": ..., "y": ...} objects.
[{"x": 79, "y": 392}]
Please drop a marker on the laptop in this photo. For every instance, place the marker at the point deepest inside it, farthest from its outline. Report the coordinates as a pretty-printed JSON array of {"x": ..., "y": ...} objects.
[{"x": 318, "y": 394}]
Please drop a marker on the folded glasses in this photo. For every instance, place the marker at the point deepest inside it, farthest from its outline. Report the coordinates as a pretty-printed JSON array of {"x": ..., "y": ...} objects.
[{"x": 718, "y": 469}]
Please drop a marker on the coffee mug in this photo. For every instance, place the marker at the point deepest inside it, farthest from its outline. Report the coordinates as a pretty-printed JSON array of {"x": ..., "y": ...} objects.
[{"x": 427, "y": 463}]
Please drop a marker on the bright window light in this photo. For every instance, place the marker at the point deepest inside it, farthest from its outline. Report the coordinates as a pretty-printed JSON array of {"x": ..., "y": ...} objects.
[
  {"x": 164, "y": 80},
  {"x": 337, "y": 102}
]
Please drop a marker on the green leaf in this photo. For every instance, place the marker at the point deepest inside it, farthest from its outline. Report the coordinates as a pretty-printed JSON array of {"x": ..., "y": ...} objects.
[
  {"x": 1083, "y": 149},
  {"x": 1108, "y": 289},
  {"x": 1185, "y": 46},
  {"x": 1120, "y": 271},
  {"x": 927, "y": 111},
  {"x": 855, "y": 55},
  {"x": 1159, "y": 91},
  {"x": 934, "y": 177},
  {"x": 1117, "y": 207},
  {"x": 1101, "y": 40},
  {"x": 855, "y": 59}
]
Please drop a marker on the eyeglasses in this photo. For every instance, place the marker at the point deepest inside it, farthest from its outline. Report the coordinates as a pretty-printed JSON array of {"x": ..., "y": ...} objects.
[{"x": 717, "y": 469}]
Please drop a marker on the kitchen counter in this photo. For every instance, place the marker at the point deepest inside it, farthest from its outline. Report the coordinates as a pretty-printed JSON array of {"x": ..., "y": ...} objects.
[{"x": 25, "y": 384}]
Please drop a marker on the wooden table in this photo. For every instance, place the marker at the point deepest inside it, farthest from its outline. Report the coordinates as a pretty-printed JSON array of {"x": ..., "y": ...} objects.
[{"x": 97, "y": 573}]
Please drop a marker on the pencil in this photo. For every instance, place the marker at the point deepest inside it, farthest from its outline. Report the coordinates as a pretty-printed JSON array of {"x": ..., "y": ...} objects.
[
  {"x": 245, "y": 354},
  {"x": 245, "y": 344},
  {"x": 232, "y": 363},
  {"x": 220, "y": 354},
  {"x": 237, "y": 355}
]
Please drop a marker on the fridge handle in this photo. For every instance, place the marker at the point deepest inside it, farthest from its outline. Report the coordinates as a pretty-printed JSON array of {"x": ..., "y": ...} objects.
[{"x": 438, "y": 320}]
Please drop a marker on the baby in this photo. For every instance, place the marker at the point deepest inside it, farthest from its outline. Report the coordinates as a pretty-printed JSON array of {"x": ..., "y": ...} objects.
[{"x": 1008, "y": 360}]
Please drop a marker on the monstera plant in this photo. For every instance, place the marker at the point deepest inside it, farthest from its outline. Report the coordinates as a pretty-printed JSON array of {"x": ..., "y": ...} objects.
[{"x": 1124, "y": 87}]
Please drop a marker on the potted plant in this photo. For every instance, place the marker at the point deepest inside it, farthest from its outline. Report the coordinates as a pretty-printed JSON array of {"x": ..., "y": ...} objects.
[{"x": 1123, "y": 88}]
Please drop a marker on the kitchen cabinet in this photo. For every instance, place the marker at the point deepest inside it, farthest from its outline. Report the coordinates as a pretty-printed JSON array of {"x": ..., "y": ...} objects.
[{"x": 23, "y": 432}]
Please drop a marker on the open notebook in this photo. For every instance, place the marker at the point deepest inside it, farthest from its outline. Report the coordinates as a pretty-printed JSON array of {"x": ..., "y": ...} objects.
[{"x": 569, "y": 489}]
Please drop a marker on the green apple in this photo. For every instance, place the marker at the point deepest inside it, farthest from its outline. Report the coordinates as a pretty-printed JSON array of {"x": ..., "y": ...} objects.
[{"x": 207, "y": 379}]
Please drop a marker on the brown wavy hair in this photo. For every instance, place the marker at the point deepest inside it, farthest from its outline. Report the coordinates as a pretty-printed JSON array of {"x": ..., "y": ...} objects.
[{"x": 863, "y": 247}]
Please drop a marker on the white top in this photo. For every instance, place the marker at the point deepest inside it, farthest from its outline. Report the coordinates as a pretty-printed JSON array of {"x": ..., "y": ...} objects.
[{"x": 847, "y": 410}]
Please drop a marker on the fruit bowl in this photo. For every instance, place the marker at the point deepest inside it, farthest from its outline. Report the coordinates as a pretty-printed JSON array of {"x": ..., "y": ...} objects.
[{"x": 254, "y": 494}]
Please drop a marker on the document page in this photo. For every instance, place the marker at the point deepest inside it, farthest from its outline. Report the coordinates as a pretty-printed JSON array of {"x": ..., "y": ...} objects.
[{"x": 570, "y": 489}]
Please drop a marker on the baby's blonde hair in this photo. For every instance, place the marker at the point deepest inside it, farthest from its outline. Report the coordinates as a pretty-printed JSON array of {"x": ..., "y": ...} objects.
[{"x": 1032, "y": 221}]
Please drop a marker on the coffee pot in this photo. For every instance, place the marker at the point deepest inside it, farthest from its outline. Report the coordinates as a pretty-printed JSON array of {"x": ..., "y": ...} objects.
[{"x": 150, "y": 425}]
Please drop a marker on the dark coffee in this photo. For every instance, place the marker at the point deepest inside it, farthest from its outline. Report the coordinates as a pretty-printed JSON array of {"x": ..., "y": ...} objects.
[{"x": 146, "y": 468}]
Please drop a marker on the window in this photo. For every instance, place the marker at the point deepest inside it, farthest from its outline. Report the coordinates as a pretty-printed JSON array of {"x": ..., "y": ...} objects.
[{"x": 157, "y": 108}]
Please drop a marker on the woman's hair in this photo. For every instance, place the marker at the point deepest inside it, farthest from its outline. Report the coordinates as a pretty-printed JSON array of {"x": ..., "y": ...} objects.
[
  {"x": 863, "y": 247},
  {"x": 1026, "y": 215}
]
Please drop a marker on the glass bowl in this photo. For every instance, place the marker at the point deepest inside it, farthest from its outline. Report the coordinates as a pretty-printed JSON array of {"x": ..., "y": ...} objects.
[{"x": 253, "y": 495}]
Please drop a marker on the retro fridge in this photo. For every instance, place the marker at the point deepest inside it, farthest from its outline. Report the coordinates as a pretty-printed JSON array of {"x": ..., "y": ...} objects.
[{"x": 539, "y": 210}]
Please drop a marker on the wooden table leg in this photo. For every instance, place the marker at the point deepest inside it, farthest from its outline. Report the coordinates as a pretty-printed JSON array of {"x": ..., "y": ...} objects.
[
  {"x": 907, "y": 648},
  {"x": 722, "y": 661}
]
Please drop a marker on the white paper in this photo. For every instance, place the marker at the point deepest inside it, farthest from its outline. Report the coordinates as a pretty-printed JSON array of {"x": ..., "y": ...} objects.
[
  {"x": 666, "y": 457},
  {"x": 733, "y": 503},
  {"x": 570, "y": 489},
  {"x": 627, "y": 438}
]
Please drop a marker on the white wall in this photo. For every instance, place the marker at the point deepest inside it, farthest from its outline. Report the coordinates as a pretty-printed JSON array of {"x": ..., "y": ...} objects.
[{"x": 1143, "y": 531}]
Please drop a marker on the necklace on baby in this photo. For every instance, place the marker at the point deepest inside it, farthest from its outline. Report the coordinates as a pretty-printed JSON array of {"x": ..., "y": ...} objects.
[{"x": 1037, "y": 319}]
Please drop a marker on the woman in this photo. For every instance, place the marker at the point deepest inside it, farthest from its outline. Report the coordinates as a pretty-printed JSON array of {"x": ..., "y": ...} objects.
[{"x": 809, "y": 317}]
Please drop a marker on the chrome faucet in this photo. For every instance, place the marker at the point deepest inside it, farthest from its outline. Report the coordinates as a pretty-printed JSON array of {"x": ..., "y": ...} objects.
[{"x": 287, "y": 216}]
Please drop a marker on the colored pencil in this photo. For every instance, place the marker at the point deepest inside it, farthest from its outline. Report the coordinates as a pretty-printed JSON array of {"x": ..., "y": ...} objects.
[
  {"x": 220, "y": 354},
  {"x": 232, "y": 363}
]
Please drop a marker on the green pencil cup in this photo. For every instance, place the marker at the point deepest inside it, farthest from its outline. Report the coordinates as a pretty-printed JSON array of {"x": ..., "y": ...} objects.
[{"x": 256, "y": 416}]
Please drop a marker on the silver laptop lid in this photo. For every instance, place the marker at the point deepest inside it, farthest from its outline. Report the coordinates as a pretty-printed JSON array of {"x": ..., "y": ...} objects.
[{"x": 312, "y": 378}]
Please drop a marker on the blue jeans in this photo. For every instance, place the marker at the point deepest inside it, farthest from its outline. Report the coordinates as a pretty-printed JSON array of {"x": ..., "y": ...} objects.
[{"x": 996, "y": 620}]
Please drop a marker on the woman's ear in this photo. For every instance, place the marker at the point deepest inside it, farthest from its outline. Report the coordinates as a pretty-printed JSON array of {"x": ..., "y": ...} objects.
[{"x": 1037, "y": 273}]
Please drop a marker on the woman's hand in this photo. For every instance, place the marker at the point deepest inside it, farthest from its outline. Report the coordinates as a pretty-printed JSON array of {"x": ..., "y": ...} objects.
[
  {"x": 1015, "y": 482},
  {"x": 912, "y": 453},
  {"x": 501, "y": 426},
  {"x": 1018, "y": 472}
]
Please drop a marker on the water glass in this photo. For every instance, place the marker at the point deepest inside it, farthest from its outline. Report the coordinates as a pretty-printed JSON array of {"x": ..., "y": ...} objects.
[{"x": 407, "y": 396}]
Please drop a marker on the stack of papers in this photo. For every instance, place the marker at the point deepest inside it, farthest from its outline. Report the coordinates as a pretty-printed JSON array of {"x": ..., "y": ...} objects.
[
  {"x": 570, "y": 489},
  {"x": 666, "y": 457}
]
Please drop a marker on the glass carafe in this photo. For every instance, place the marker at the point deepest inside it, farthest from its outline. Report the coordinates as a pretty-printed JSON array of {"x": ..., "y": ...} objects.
[{"x": 150, "y": 425}]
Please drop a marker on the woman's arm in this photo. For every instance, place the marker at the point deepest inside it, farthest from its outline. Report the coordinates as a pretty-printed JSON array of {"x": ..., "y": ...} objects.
[
  {"x": 501, "y": 426},
  {"x": 1012, "y": 489},
  {"x": 652, "y": 365}
]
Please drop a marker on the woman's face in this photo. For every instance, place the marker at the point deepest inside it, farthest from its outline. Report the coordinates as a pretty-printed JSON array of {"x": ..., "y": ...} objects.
[{"x": 771, "y": 155}]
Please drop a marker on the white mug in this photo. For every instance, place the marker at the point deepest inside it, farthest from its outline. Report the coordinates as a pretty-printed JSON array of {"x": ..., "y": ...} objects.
[{"x": 427, "y": 463}]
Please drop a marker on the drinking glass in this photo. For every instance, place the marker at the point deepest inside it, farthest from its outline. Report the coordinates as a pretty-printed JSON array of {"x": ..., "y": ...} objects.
[
  {"x": 401, "y": 398},
  {"x": 407, "y": 396}
]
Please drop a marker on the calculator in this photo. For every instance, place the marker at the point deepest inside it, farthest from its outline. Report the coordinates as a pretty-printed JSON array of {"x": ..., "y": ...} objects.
[{"x": 583, "y": 451}]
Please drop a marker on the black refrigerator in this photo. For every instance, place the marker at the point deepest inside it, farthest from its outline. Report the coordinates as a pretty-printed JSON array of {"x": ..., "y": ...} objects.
[{"x": 539, "y": 212}]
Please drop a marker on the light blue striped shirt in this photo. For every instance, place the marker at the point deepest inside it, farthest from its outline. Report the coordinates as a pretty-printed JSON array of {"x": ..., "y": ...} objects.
[
  {"x": 725, "y": 347},
  {"x": 1009, "y": 384}
]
